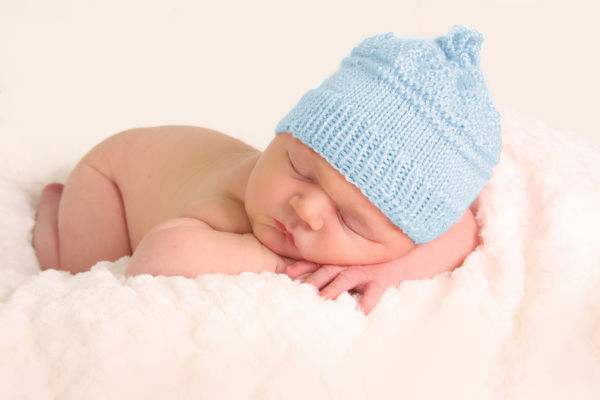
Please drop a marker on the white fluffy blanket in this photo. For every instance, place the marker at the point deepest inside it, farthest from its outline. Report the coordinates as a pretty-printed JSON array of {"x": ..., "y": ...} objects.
[{"x": 519, "y": 320}]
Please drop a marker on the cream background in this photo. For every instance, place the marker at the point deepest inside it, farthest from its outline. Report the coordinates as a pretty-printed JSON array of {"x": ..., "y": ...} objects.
[
  {"x": 74, "y": 72},
  {"x": 518, "y": 321}
]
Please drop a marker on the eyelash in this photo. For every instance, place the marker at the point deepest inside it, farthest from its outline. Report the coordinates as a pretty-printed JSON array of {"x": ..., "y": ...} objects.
[
  {"x": 303, "y": 176},
  {"x": 343, "y": 221}
]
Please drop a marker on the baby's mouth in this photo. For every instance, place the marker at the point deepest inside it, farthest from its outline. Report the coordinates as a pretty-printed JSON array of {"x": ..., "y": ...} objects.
[
  {"x": 290, "y": 239},
  {"x": 281, "y": 227}
]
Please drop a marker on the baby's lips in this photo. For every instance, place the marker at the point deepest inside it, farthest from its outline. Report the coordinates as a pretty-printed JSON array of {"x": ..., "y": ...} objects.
[
  {"x": 290, "y": 239},
  {"x": 280, "y": 227}
]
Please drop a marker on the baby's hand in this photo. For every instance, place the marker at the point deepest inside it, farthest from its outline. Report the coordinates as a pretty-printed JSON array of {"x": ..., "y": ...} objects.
[
  {"x": 283, "y": 263},
  {"x": 443, "y": 254},
  {"x": 332, "y": 280}
]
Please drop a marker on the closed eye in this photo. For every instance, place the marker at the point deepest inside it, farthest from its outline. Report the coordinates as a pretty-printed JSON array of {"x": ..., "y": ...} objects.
[
  {"x": 353, "y": 225},
  {"x": 345, "y": 220},
  {"x": 302, "y": 175}
]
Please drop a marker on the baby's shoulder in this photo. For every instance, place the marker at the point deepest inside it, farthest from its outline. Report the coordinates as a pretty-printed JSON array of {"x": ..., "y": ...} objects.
[
  {"x": 178, "y": 136},
  {"x": 149, "y": 145}
]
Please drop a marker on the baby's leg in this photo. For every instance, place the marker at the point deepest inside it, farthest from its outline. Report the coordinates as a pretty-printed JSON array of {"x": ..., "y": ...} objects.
[
  {"x": 91, "y": 224},
  {"x": 45, "y": 232}
]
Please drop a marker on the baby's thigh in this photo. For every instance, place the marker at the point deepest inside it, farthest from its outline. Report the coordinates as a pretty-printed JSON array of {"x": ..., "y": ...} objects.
[{"x": 91, "y": 217}]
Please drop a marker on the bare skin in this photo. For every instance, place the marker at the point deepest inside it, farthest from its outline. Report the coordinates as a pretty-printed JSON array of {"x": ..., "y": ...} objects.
[{"x": 186, "y": 201}]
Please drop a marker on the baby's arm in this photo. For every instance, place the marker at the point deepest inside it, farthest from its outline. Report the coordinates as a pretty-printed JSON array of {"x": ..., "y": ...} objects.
[
  {"x": 189, "y": 247},
  {"x": 442, "y": 254}
]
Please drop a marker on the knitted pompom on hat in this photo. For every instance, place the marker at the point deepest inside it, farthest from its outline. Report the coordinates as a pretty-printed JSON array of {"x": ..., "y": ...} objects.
[{"x": 411, "y": 123}]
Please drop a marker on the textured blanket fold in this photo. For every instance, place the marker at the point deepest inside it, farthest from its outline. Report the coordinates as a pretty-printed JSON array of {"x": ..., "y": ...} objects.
[{"x": 520, "y": 319}]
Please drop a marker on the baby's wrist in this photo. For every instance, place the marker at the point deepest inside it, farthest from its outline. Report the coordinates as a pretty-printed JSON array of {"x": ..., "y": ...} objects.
[
  {"x": 254, "y": 253},
  {"x": 264, "y": 257}
]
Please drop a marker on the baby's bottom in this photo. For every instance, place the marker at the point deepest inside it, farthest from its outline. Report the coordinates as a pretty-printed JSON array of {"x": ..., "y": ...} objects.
[{"x": 82, "y": 224}]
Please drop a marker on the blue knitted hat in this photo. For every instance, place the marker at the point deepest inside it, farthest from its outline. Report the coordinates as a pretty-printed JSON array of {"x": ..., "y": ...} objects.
[{"x": 411, "y": 123}]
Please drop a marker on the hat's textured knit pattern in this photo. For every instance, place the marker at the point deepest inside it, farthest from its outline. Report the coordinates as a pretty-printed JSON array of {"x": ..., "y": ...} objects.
[{"x": 410, "y": 122}]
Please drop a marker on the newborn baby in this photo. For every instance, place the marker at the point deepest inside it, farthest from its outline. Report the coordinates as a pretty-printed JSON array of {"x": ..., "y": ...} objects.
[{"x": 367, "y": 182}]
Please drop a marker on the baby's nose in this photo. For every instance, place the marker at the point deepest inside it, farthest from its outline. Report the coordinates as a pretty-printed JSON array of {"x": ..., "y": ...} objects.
[
  {"x": 315, "y": 224},
  {"x": 308, "y": 211}
]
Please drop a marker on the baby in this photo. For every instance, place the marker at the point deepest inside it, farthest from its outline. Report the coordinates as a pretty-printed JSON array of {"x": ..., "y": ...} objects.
[{"x": 368, "y": 181}]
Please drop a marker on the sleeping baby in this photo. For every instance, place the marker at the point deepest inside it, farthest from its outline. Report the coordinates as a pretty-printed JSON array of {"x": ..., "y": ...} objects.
[{"x": 371, "y": 179}]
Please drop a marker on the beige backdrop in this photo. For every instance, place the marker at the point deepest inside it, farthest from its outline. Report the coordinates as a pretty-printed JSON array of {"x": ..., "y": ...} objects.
[{"x": 73, "y": 72}]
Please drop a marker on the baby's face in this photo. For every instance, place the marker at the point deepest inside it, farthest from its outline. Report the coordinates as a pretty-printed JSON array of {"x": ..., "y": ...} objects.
[{"x": 299, "y": 206}]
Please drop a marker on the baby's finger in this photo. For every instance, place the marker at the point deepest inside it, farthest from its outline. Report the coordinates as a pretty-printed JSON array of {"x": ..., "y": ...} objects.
[
  {"x": 301, "y": 267},
  {"x": 360, "y": 288},
  {"x": 324, "y": 275},
  {"x": 371, "y": 296},
  {"x": 346, "y": 280}
]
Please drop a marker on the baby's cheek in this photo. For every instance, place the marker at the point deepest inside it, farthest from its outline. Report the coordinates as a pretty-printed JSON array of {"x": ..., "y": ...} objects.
[{"x": 330, "y": 250}]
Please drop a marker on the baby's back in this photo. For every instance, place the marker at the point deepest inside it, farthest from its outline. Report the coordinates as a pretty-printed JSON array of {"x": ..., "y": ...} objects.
[{"x": 175, "y": 171}]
